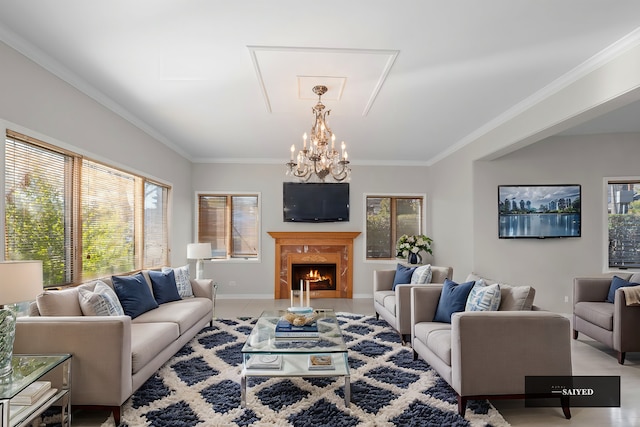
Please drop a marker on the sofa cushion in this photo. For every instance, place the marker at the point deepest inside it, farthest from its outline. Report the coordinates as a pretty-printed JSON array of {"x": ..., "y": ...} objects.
[
  {"x": 597, "y": 313},
  {"x": 402, "y": 276},
  {"x": 514, "y": 298},
  {"x": 441, "y": 339},
  {"x": 616, "y": 283},
  {"x": 483, "y": 297},
  {"x": 185, "y": 313},
  {"x": 59, "y": 303},
  {"x": 183, "y": 281},
  {"x": 98, "y": 299},
  {"x": 453, "y": 299},
  {"x": 164, "y": 286},
  {"x": 148, "y": 340},
  {"x": 380, "y": 296},
  {"x": 439, "y": 342},
  {"x": 134, "y": 294},
  {"x": 421, "y": 275}
]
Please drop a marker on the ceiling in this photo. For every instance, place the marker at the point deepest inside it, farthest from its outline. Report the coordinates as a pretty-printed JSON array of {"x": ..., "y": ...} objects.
[{"x": 230, "y": 81}]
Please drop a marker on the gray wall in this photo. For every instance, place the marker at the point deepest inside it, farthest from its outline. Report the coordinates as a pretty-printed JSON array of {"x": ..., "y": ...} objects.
[
  {"x": 255, "y": 279},
  {"x": 35, "y": 102},
  {"x": 461, "y": 190},
  {"x": 465, "y": 212}
]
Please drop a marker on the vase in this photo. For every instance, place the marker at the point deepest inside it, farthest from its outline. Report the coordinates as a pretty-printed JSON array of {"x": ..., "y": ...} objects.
[
  {"x": 412, "y": 258},
  {"x": 7, "y": 335}
]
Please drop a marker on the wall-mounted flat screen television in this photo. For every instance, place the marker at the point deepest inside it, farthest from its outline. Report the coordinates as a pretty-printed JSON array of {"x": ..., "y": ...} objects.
[
  {"x": 315, "y": 202},
  {"x": 539, "y": 211}
]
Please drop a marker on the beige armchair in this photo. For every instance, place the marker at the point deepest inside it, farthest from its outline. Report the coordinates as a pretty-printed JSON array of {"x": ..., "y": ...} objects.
[
  {"x": 394, "y": 306},
  {"x": 615, "y": 325},
  {"x": 488, "y": 354}
]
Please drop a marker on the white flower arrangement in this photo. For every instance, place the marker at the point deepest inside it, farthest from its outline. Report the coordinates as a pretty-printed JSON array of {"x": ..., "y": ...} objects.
[{"x": 413, "y": 244}]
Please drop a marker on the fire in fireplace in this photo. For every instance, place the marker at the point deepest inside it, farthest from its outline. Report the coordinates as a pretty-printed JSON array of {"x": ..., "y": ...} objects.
[{"x": 321, "y": 277}]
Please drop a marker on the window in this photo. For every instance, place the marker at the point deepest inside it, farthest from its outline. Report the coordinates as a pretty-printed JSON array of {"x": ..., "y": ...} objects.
[
  {"x": 82, "y": 218},
  {"x": 388, "y": 218},
  {"x": 623, "y": 201},
  {"x": 230, "y": 222}
]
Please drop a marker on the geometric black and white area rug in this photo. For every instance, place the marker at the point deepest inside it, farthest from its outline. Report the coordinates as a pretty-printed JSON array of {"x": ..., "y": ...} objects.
[{"x": 200, "y": 386}]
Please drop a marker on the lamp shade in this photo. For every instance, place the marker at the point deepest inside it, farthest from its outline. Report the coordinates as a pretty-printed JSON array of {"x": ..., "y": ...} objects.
[
  {"x": 198, "y": 250},
  {"x": 20, "y": 281}
]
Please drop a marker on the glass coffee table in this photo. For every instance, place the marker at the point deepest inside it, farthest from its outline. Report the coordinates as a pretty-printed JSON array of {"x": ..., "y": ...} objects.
[{"x": 292, "y": 355}]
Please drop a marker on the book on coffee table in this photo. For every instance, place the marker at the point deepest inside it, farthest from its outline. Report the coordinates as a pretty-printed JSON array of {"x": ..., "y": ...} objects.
[
  {"x": 31, "y": 393},
  {"x": 320, "y": 362},
  {"x": 284, "y": 329},
  {"x": 264, "y": 361}
]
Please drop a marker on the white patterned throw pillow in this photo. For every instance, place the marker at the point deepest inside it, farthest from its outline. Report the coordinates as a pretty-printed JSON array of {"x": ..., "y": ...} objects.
[
  {"x": 98, "y": 299},
  {"x": 421, "y": 275},
  {"x": 483, "y": 297},
  {"x": 183, "y": 282}
]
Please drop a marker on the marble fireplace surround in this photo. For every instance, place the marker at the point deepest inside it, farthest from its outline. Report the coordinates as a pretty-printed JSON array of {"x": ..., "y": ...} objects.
[{"x": 309, "y": 247}]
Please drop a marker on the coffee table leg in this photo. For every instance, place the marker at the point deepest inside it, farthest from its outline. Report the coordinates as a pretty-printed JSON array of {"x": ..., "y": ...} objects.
[
  {"x": 243, "y": 390},
  {"x": 347, "y": 391}
]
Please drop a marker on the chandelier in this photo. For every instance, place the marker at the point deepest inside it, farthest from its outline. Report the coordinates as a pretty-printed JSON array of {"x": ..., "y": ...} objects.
[{"x": 319, "y": 158}]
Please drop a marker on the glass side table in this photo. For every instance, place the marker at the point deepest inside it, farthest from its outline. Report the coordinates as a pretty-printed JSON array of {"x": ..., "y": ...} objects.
[{"x": 28, "y": 368}]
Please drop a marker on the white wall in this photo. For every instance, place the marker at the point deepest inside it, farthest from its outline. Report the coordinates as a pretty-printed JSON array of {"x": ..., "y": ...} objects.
[
  {"x": 551, "y": 264},
  {"x": 256, "y": 279},
  {"x": 35, "y": 102}
]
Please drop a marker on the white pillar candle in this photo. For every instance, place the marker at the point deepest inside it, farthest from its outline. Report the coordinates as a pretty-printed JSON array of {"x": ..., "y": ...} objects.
[
  {"x": 308, "y": 295},
  {"x": 291, "y": 292},
  {"x": 301, "y": 293}
]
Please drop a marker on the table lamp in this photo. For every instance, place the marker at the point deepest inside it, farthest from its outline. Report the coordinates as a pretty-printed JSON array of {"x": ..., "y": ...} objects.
[
  {"x": 19, "y": 281},
  {"x": 199, "y": 251}
]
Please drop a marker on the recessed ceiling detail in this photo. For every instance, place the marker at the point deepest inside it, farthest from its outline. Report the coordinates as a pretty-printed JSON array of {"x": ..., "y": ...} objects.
[{"x": 288, "y": 74}]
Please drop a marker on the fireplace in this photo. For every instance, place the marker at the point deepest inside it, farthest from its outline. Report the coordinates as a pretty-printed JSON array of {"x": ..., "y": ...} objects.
[
  {"x": 321, "y": 277},
  {"x": 330, "y": 253}
]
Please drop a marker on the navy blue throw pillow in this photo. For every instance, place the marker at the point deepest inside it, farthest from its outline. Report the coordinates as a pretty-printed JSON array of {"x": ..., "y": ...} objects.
[
  {"x": 403, "y": 275},
  {"x": 616, "y": 283},
  {"x": 164, "y": 286},
  {"x": 453, "y": 299},
  {"x": 134, "y": 294}
]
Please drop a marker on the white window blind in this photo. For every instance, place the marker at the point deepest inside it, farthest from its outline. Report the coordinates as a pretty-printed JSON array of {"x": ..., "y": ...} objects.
[
  {"x": 37, "y": 209},
  {"x": 83, "y": 219}
]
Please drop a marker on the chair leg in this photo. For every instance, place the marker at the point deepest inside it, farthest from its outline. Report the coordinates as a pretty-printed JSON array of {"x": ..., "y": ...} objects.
[
  {"x": 621, "y": 355},
  {"x": 116, "y": 414},
  {"x": 564, "y": 402},
  {"x": 462, "y": 405},
  {"x": 377, "y": 316},
  {"x": 575, "y": 334},
  {"x": 415, "y": 355}
]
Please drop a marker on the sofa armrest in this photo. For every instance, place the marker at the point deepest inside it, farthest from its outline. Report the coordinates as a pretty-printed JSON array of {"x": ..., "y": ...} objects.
[
  {"x": 493, "y": 352},
  {"x": 101, "y": 350},
  {"x": 424, "y": 302},
  {"x": 590, "y": 289},
  {"x": 202, "y": 288},
  {"x": 626, "y": 319},
  {"x": 383, "y": 280}
]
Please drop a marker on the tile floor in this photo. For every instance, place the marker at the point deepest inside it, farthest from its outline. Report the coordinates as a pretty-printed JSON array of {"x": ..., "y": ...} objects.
[{"x": 589, "y": 358}]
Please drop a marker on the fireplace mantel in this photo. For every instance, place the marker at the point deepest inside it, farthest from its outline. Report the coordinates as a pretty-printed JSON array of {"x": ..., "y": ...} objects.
[{"x": 296, "y": 245}]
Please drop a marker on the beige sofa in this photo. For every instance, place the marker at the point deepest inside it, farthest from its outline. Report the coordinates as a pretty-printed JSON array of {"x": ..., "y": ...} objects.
[
  {"x": 394, "y": 306},
  {"x": 114, "y": 355},
  {"x": 613, "y": 324},
  {"x": 487, "y": 354}
]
